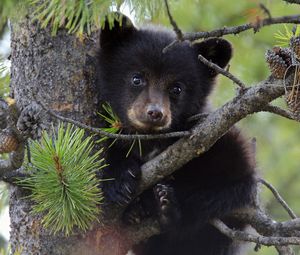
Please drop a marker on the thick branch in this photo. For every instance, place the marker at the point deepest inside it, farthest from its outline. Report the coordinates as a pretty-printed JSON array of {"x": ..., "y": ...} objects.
[
  {"x": 265, "y": 225},
  {"x": 255, "y": 238},
  {"x": 205, "y": 134}
]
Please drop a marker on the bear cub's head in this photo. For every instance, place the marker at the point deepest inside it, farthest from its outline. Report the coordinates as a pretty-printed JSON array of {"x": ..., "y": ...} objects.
[{"x": 149, "y": 90}]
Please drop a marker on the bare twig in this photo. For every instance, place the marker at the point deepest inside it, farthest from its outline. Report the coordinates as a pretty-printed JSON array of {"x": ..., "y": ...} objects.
[
  {"x": 255, "y": 238},
  {"x": 278, "y": 197},
  {"x": 292, "y": 1},
  {"x": 279, "y": 111},
  {"x": 198, "y": 117},
  {"x": 173, "y": 23},
  {"x": 268, "y": 108},
  {"x": 222, "y": 71},
  {"x": 293, "y": 19},
  {"x": 14, "y": 162},
  {"x": 266, "y": 10},
  {"x": 111, "y": 135},
  {"x": 13, "y": 176},
  {"x": 170, "y": 46}
]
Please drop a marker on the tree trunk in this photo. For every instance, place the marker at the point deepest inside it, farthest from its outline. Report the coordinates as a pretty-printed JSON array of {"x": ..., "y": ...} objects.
[{"x": 60, "y": 70}]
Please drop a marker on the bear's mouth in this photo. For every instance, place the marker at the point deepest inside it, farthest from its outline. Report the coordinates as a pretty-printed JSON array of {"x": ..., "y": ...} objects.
[{"x": 144, "y": 125}]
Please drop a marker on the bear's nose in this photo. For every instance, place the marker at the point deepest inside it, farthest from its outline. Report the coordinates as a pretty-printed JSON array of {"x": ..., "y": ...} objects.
[{"x": 154, "y": 113}]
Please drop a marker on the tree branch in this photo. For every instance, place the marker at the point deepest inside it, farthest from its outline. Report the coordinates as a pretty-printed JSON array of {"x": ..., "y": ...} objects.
[
  {"x": 222, "y": 71},
  {"x": 293, "y": 19},
  {"x": 255, "y": 238},
  {"x": 292, "y": 1},
  {"x": 278, "y": 197},
  {"x": 265, "y": 10},
  {"x": 173, "y": 23},
  {"x": 111, "y": 135},
  {"x": 281, "y": 112},
  {"x": 206, "y": 133}
]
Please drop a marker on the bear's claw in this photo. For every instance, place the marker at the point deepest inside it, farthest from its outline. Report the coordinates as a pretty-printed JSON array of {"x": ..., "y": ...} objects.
[{"x": 168, "y": 211}]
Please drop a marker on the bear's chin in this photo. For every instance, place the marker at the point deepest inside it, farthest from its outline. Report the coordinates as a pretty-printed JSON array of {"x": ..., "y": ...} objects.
[{"x": 143, "y": 128}]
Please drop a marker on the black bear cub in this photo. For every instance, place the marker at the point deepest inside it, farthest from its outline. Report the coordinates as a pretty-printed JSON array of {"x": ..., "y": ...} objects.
[{"x": 156, "y": 92}]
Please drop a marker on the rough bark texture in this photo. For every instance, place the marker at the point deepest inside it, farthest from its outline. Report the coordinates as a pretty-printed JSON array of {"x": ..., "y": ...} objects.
[{"x": 61, "y": 71}]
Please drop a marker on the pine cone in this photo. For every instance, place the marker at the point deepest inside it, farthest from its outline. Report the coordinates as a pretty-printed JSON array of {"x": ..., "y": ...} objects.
[
  {"x": 295, "y": 46},
  {"x": 279, "y": 60},
  {"x": 8, "y": 141},
  {"x": 292, "y": 93},
  {"x": 32, "y": 121}
]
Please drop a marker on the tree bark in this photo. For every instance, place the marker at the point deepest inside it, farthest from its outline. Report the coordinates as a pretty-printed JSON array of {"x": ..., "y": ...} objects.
[{"x": 61, "y": 71}]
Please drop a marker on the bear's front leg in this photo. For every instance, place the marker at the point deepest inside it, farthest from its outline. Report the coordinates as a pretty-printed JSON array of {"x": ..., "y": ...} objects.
[{"x": 120, "y": 182}]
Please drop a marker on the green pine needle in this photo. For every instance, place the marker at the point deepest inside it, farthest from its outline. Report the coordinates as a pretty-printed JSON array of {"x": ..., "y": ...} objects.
[
  {"x": 9, "y": 9},
  {"x": 142, "y": 9},
  {"x": 63, "y": 181},
  {"x": 77, "y": 16},
  {"x": 113, "y": 121},
  {"x": 283, "y": 38},
  {"x": 83, "y": 17},
  {"x": 114, "y": 127}
]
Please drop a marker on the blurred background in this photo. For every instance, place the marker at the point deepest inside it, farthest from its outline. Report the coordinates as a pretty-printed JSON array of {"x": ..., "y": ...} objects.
[{"x": 277, "y": 139}]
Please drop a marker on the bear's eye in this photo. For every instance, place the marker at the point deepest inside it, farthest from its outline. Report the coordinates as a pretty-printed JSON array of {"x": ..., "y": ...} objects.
[
  {"x": 176, "y": 89},
  {"x": 137, "y": 80}
]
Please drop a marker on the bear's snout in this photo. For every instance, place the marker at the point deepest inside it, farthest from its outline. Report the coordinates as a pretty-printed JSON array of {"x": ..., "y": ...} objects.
[
  {"x": 149, "y": 117},
  {"x": 154, "y": 113}
]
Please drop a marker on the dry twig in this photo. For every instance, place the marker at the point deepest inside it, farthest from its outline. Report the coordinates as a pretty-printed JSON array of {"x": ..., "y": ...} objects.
[
  {"x": 278, "y": 197},
  {"x": 173, "y": 23},
  {"x": 111, "y": 135},
  {"x": 292, "y": 1},
  {"x": 279, "y": 111},
  {"x": 293, "y": 19},
  {"x": 222, "y": 71}
]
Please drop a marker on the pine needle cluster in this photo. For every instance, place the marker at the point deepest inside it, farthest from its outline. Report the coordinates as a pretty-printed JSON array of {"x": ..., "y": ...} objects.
[
  {"x": 115, "y": 126},
  {"x": 63, "y": 182},
  {"x": 79, "y": 16},
  {"x": 82, "y": 16},
  {"x": 283, "y": 38}
]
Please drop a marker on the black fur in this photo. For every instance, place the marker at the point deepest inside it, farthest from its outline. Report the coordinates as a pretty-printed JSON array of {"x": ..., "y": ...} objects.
[{"x": 212, "y": 185}]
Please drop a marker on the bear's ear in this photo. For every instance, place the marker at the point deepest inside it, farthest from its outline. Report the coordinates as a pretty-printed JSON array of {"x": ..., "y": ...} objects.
[
  {"x": 117, "y": 27},
  {"x": 216, "y": 50}
]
